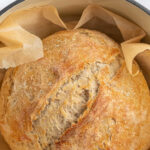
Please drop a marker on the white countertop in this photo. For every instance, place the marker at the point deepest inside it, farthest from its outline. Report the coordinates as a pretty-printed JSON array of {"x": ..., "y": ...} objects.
[
  {"x": 4, "y": 3},
  {"x": 145, "y": 3}
]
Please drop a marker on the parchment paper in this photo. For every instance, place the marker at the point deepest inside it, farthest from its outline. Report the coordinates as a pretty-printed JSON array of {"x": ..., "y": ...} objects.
[{"x": 21, "y": 34}]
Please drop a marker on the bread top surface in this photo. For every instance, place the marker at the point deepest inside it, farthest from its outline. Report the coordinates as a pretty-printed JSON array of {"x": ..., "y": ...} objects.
[{"x": 82, "y": 81}]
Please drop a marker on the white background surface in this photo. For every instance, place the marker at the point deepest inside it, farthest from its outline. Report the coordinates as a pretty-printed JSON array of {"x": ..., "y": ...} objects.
[
  {"x": 146, "y": 3},
  {"x": 4, "y": 3}
]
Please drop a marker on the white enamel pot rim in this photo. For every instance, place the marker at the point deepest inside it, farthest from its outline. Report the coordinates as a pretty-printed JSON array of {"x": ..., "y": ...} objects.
[{"x": 16, "y": 2}]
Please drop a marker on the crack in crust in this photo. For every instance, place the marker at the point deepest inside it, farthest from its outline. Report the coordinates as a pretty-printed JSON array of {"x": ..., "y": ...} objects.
[{"x": 69, "y": 104}]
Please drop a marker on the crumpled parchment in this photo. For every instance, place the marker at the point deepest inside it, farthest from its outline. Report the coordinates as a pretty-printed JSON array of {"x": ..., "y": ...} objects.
[{"x": 21, "y": 34}]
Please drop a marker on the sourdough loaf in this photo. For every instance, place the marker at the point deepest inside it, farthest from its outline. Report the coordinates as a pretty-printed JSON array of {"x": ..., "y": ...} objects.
[{"x": 80, "y": 96}]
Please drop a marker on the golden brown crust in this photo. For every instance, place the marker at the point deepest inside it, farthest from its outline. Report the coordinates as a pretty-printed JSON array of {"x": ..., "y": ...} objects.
[{"x": 119, "y": 118}]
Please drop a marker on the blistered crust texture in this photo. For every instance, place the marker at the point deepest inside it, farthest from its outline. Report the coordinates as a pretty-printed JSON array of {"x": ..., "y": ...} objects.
[{"x": 80, "y": 96}]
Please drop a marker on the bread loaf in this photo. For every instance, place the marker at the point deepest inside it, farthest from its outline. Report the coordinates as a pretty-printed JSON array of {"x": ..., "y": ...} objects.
[{"x": 80, "y": 96}]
